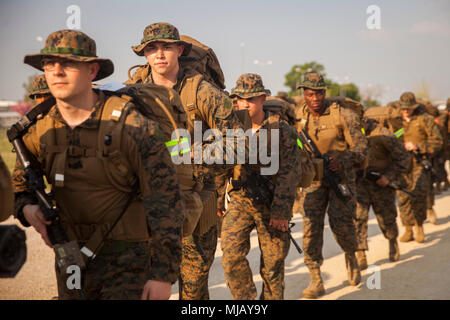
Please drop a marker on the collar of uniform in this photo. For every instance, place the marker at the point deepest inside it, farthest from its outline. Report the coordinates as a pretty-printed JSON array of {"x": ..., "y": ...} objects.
[
  {"x": 94, "y": 119},
  {"x": 180, "y": 79},
  {"x": 265, "y": 122}
]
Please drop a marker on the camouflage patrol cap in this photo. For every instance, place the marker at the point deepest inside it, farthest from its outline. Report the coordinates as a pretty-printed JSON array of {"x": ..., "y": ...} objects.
[
  {"x": 249, "y": 85},
  {"x": 408, "y": 101},
  {"x": 314, "y": 81},
  {"x": 72, "y": 45},
  {"x": 39, "y": 86},
  {"x": 161, "y": 32}
]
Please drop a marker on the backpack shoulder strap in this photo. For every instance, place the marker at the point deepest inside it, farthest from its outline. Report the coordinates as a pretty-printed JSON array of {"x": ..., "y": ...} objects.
[
  {"x": 110, "y": 138},
  {"x": 335, "y": 113},
  {"x": 188, "y": 96},
  {"x": 274, "y": 120},
  {"x": 301, "y": 118},
  {"x": 139, "y": 75}
]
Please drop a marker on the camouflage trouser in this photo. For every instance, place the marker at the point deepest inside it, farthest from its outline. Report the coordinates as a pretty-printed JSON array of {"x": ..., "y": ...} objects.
[
  {"x": 430, "y": 196},
  {"x": 239, "y": 221},
  {"x": 315, "y": 201},
  {"x": 414, "y": 209},
  {"x": 382, "y": 201},
  {"x": 439, "y": 166},
  {"x": 297, "y": 202},
  {"x": 198, "y": 257},
  {"x": 119, "y": 274}
]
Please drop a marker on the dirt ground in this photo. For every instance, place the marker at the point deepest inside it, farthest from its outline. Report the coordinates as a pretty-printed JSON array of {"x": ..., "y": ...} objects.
[{"x": 421, "y": 272}]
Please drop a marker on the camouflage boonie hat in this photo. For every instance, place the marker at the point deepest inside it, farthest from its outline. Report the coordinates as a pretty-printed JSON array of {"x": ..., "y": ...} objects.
[
  {"x": 72, "y": 45},
  {"x": 408, "y": 101},
  {"x": 39, "y": 86},
  {"x": 161, "y": 32},
  {"x": 314, "y": 81},
  {"x": 249, "y": 85}
]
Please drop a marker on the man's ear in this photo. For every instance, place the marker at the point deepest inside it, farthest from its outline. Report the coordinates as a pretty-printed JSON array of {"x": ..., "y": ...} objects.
[
  {"x": 180, "y": 49},
  {"x": 94, "y": 68}
]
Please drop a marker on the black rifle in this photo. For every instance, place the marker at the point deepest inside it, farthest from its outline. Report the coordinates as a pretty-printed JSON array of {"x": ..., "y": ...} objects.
[
  {"x": 261, "y": 189},
  {"x": 291, "y": 225},
  {"x": 425, "y": 163},
  {"x": 374, "y": 176},
  {"x": 67, "y": 252},
  {"x": 341, "y": 190}
]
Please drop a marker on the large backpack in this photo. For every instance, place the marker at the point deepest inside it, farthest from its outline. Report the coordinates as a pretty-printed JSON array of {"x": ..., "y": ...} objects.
[
  {"x": 281, "y": 107},
  {"x": 163, "y": 105},
  {"x": 388, "y": 117},
  {"x": 202, "y": 59},
  {"x": 350, "y": 104},
  {"x": 305, "y": 164}
]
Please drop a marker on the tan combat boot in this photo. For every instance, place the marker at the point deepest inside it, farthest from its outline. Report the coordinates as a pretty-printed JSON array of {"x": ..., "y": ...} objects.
[
  {"x": 408, "y": 235},
  {"x": 354, "y": 275},
  {"x": 315, "y": 288},
  {"x": 394, "y": 251},
  {"x": 362, "y": 260},
  {"x": 431, "y": 215},
  {"x": 419, "y": 235}
]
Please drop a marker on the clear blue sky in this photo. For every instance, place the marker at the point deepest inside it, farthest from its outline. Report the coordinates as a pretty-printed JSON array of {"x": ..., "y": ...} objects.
[{"x": 412, "y": 46}]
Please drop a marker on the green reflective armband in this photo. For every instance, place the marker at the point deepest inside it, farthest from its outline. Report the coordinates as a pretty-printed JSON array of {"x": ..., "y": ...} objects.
[
  {"x": 299, "y": 143},
  {"x": 399, "y": 132}
]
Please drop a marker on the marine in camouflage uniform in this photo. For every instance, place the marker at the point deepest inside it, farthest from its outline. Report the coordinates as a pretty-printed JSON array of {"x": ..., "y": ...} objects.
[
  {"x": 210, "y": 105},
  {"x": 90, "y": 194},
  {"x": 387, "y": 157},
  {"x": 443, "y": 121},
  {"x": 253, "y": 206},
  {"x": 39, "y": 89},
  {"x": 435, "y": 175},
  {"x": 423, "y": 139},
  {"x": 336, "y": 131}
]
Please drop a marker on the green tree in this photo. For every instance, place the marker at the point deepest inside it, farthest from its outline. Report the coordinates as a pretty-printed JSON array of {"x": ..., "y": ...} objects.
[
  {"x": 349, "y": 90},
  {"x": 295, "y": 76},
  {"x": 370, "y": 103}
]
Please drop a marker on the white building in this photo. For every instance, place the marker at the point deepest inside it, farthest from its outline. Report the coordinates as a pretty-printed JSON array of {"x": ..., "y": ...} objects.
[{"x": 8, "y": 117}]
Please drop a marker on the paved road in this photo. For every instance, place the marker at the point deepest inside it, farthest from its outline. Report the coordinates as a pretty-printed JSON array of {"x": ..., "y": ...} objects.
[{"x": 421, "y": 272}]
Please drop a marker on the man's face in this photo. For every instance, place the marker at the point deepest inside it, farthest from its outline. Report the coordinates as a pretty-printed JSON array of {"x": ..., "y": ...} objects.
[
  {"x": 68, "y": 79},
  {"x": 253, "y": 105},
  {"x": 314, "y": 99},
  {"x": 406, "y": 113},
  {"x": 163, "y": 56}
]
